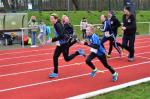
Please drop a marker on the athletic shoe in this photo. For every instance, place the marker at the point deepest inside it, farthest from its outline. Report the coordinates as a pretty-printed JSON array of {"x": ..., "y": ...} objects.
[
  {"x": 93, "y": 73},
  {"x": 53, "y": 75},
  {"x": 108, "y": 56},
  {"x": 115, "y": 77},
  {"x": 130, "y": 59},
  {"x": 81, "y": 52},
  {"x": 123, "y": 52},
  {"x": 33, "y": 46}
]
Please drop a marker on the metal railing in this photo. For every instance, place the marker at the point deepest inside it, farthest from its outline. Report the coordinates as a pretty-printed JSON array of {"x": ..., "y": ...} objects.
[{"x": 143, "y": 28}]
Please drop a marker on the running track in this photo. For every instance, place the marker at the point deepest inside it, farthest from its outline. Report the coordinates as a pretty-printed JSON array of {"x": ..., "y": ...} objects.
[{"x": 24, "y": 72}]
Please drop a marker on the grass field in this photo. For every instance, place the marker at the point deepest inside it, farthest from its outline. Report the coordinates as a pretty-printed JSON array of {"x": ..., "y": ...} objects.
[
  {"x": 140, "y": 91},
  {"x": 93, "y": 17}
]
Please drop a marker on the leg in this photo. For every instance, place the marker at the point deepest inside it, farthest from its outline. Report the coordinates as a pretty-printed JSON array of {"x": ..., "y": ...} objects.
[
  {"x": 125, "y": 43},
  {"x": 131, "y": 46},
  {"x": 34, "y": 38},
  {"x": 105, "y": 63},
  {"x": 110, "y": 47},
  {"x": 104, "y": 39},
  {"x": 56, "y": 55},
  {"x": 66, "y": 55},
  {"x": 89, "y": 59},
  {"x": 40, "y": 38},
  {"x": 113, "y": 40}
]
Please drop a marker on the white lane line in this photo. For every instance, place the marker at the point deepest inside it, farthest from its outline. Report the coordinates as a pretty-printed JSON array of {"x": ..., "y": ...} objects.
[
  {"x": 43, "y": 69},
  {"x": 33, "y": 55},
  {"x": 66, "y": 78},
  {"x": 52, "y": 53},
  {"x": 45, "y": 60},
  {"x": 48, "y": 49},
  {"x": 33, "y": 50}
]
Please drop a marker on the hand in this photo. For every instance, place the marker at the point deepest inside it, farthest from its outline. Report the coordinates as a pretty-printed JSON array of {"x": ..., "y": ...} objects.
[
  {"x": 122, "y": 31},
  {"x": 49, "y": 41},
  {"x": 123, "y": 28},
  {"x": 82, "y": 42},
  {"x": 98, "y": 27}
]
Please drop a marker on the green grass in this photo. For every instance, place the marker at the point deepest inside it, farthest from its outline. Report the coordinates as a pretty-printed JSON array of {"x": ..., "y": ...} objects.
[
  {"x": 93, "y": 17},
  {"x": 141, "y": 91}
]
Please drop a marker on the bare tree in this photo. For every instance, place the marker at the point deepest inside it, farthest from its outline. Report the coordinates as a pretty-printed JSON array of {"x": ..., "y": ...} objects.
[
  {"x": 101, "y": 5},
  {"x": 75, "y": 3}
]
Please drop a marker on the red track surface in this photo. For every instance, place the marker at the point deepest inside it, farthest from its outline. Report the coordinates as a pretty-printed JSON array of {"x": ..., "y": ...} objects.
[{"x": 24, "y": 72}]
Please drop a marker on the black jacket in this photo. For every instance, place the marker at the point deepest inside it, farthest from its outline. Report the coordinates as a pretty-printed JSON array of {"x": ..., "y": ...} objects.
[
  {"x": 68, "y": 29},
  {"x": 130, "y": 24},
  {"x": 59, "y": 29},
  {"x": 114, "y": 24}
]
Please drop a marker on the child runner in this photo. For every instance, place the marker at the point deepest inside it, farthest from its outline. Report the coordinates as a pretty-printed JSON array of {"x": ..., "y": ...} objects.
[
  {"x": 108, "y": 34},
  {"x": 97, "y": 51},
  {"x": 115, "y": 24}
]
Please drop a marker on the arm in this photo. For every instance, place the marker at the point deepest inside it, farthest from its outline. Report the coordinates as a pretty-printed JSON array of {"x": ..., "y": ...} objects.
[
  {"x": 103, "y": 29},
  {"x": 95, "y": 46},
  {"x": 116, "y": 24}
]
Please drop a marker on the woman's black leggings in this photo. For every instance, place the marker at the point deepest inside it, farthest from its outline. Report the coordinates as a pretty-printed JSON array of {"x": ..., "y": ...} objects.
[{"x": 64, "y": 49}]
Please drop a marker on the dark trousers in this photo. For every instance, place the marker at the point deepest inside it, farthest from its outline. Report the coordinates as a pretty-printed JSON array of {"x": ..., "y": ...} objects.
[
  {"x": 112, "y": 41},
  {"x": 102, "y": 59},
  {"x": 84, "y": 33},
  {"x": 64, "y": 49},
  {"x": 128, "y": 44},
  {"x": 111, "y": 44}
]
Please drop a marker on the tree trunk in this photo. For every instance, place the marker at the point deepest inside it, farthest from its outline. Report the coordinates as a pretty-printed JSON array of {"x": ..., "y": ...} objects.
[
  {"x": 6, "y": 4},
  {"x": 75, "y": 3}
]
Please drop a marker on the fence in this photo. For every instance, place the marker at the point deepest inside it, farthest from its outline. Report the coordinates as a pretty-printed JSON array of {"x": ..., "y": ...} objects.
[
  {"x": 143, "y": 28},
  {"x": 99, "y": 5}
]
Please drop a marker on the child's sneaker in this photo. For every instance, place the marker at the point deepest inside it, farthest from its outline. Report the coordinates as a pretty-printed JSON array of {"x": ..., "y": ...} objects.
[
  {"x": 93, "y": 73},
  {"x": 53, "y": 75},
  {"x": 115, "y": 77},
  {"x": 81, "y": 52}
]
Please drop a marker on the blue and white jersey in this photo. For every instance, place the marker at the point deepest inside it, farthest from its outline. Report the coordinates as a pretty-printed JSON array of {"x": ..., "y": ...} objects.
[{"x": 95, "y": 41}]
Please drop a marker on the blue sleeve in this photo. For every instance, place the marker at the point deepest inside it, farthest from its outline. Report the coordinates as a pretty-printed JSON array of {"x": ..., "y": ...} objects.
[{"x": 95, "y": 40}]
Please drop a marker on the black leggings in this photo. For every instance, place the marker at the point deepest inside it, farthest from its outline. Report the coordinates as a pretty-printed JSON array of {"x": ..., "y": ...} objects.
[
  {"x": 64, "y": 49},
  {"x": 102, "y": 59},
  {"x": 113, "y": 42}
]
